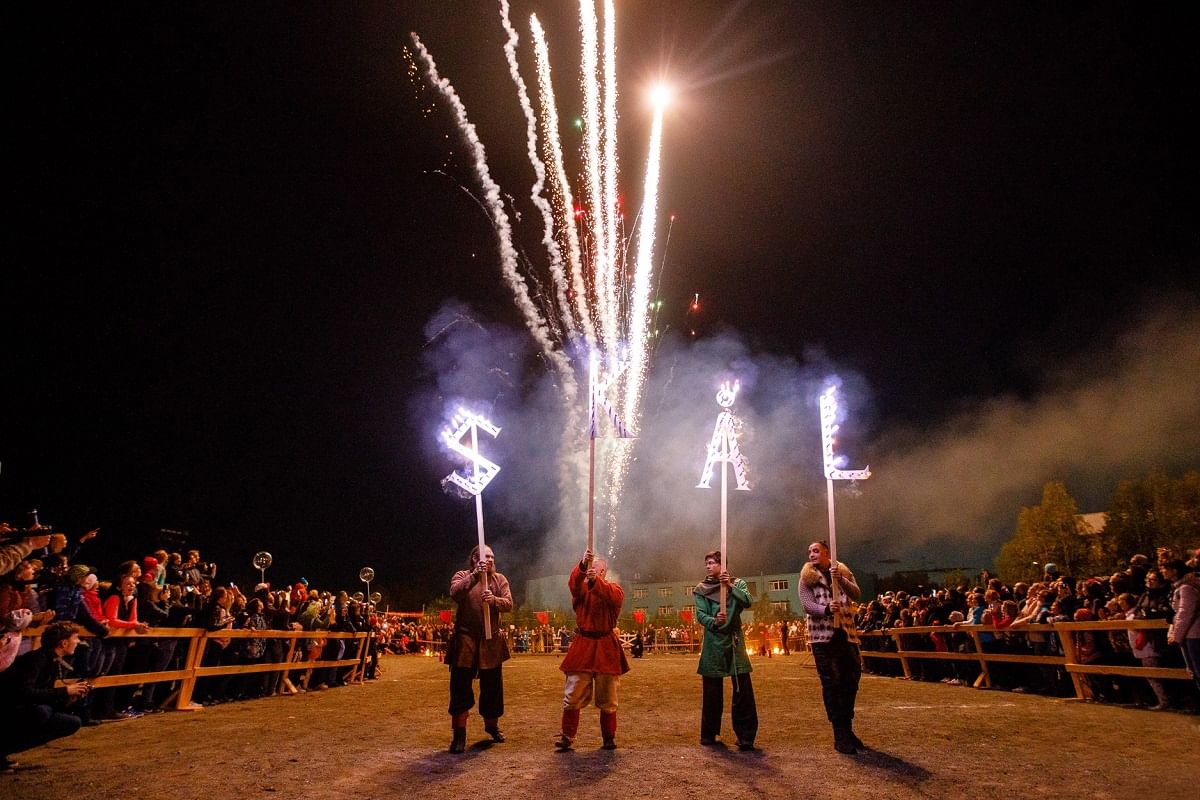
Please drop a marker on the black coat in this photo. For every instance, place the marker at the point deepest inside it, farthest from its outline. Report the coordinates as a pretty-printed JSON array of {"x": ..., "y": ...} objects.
[{"x": 30, "y": 681}]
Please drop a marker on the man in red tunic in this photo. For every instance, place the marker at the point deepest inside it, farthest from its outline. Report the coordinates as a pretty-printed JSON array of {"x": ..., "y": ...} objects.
[{"x": 595, "y": 661}]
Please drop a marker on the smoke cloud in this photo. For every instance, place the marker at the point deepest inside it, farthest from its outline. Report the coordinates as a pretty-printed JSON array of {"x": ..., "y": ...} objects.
[{"x": 944, "y": 496}]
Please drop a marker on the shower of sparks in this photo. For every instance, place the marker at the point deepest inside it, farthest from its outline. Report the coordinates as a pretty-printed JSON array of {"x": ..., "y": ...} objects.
[{"x": 593, "y": 305}]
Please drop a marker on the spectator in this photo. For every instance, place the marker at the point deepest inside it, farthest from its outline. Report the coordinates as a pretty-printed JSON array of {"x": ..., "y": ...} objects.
[
  {"x": 1185, "y": 626},
  {"x": 120, "y": 610},
  {"x": 38, "y": 712},
  {"x": 13, "y": 553},
  {"x": 1144, "y": 649},
  {"x": 12, "y": 624}
]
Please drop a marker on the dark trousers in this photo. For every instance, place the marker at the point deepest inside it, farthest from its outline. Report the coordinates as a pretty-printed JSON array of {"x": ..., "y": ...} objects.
[
  {"x": 839, "y": 667},
  {"x": 31, "y": 726},
  {"x": 744, "y": 714},
  {"x": 491, "y": 691}
]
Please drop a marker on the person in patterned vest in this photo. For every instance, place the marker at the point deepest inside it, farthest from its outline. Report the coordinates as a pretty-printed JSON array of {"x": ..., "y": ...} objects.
[{"x": 834, "y": 639}]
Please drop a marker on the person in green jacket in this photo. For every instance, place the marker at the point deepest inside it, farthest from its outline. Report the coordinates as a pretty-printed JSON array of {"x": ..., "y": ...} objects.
[{"x": 724, "y": 653}]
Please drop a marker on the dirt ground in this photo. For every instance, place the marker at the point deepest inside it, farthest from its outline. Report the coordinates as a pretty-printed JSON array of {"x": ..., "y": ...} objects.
[{"x": 388, "y": 738}]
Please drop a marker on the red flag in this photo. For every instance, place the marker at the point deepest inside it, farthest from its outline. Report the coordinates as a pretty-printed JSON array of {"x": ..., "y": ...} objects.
[
  {"x": 543, "y": 617},
  {"x": 639, "y": 617},
  {"x": 685, "y": 614},
  {"x": 446, "y": 615}
]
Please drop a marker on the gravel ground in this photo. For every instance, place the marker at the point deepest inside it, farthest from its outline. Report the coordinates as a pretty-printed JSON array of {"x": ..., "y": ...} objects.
[{"x": 388, "y": 738}]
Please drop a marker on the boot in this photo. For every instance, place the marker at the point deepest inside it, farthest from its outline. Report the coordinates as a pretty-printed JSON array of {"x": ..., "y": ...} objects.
[
  {"x": 458, "y": 744},
  {"x": 570, "y": 725},
  {"x": 843, "y": 741},
  {"x": 858, "y": 743},
  {"x": 608, "y": 729},
  {"x": 491, "y": 726}
]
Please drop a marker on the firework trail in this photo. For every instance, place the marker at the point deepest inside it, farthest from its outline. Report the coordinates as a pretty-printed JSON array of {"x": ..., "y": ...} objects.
[
  {"x": 560, "y": 188},
  {"x": 595, "y": 306},
  {"x": 609, "y": 176},
  {"x": 495, "y": 206},
  {"x": 535, "y": 193},
  {"x": 602, "y": 261}
]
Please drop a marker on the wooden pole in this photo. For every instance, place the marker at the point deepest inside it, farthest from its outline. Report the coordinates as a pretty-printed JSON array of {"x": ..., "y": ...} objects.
[
  {"x": 833, "y": 586},
  {"x": 486, "y": 608},
  {"x": 591, "y": 493},
  {"x": 724, "y": 527}
]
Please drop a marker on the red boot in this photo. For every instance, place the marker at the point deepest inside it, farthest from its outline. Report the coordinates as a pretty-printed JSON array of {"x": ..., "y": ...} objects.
[
  {"x": 570, "y": 726},
  {"x": 608, "y": 729}
]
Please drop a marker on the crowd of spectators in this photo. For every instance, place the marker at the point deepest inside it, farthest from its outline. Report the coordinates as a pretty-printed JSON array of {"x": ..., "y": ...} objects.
[
  {"x": 1166, "y": 588},
  {"x": 47, "y": 587}
]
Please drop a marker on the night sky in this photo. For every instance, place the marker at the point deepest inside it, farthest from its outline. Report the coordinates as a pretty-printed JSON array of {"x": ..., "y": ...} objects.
[{"x": 237, "y": 229}]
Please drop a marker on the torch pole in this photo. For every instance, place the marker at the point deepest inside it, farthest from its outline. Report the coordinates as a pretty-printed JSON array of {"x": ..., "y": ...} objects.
[
  {"x": 485, "y": 607},
  {"x": 724, "y": 527},
  {"x": 591, "y": 493},
  {"x": 833, "y": 587}
]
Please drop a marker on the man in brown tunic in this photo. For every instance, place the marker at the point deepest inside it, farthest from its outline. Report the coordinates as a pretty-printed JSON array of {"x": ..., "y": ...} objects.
[{"x": 469, "y": 654}]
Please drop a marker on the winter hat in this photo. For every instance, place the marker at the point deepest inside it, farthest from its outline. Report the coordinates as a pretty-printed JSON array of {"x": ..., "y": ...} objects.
[{"x": 150, "y": 564}]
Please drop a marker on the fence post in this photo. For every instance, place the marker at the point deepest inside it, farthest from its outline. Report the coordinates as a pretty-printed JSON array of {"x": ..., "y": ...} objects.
[
  {"x": 1067, "y": 642},
  {"x": 191, "y": 662}
]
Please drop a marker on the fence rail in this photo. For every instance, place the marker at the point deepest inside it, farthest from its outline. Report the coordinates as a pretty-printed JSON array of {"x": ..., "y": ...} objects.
[
  {"x": 197, "y": 642},
  {"x": 1067, "y": 657}
]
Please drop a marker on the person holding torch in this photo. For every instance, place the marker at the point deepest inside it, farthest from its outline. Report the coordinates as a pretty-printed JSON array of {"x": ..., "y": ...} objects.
[
  {"x": 827, "y": 592},
  {"x": 595, "y": 661},
  {"x": 724, "y": 653},
  {"x": 478, "y": 590}
]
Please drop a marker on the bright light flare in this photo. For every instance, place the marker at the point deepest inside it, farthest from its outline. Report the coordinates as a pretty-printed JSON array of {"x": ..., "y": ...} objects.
[{"x": 661, "y": 96}]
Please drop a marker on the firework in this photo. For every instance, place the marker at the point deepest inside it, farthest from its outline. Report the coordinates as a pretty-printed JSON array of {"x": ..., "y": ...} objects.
[{"x": 595, "y": 306}]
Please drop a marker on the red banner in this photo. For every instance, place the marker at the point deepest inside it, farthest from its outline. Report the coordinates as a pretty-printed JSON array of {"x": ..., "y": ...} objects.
[
  {"x": 446, "y": 615},
  {"x": 685, "y": 614},
  {"x": 639, "y": 617},
  {"x": 543, "y": 617}
]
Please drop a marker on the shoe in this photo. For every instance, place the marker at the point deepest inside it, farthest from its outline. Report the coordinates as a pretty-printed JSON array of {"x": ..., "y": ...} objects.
[
  {"x": 1158, "y": 707},
  {"x": 563, "y": 743},
  {"x": 746, "y": 746},
  {"x": 129, "y": 713},
  {"x": 89, "y": 722},
  {"x": 708, "y": 741},
  {"x": 858, "y": 743},
  {"x": 459, "y": 743},
  {"x": 610, "y": 743},
  {"x": 496, "y": 734},
  {"x": 843, "y": 741}
]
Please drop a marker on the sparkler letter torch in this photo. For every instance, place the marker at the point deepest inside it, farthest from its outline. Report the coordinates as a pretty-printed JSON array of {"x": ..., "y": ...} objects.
[
  {"x": 482, "y": 472},
  {"x": 829, "y": 426},
  {"x": 723, "y": 448}
]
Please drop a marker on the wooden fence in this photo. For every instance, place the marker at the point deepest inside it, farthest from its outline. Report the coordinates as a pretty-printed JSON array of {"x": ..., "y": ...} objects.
[
  {"x": 197, "y": 640},
  {"x": 1067, "y": 659}
]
